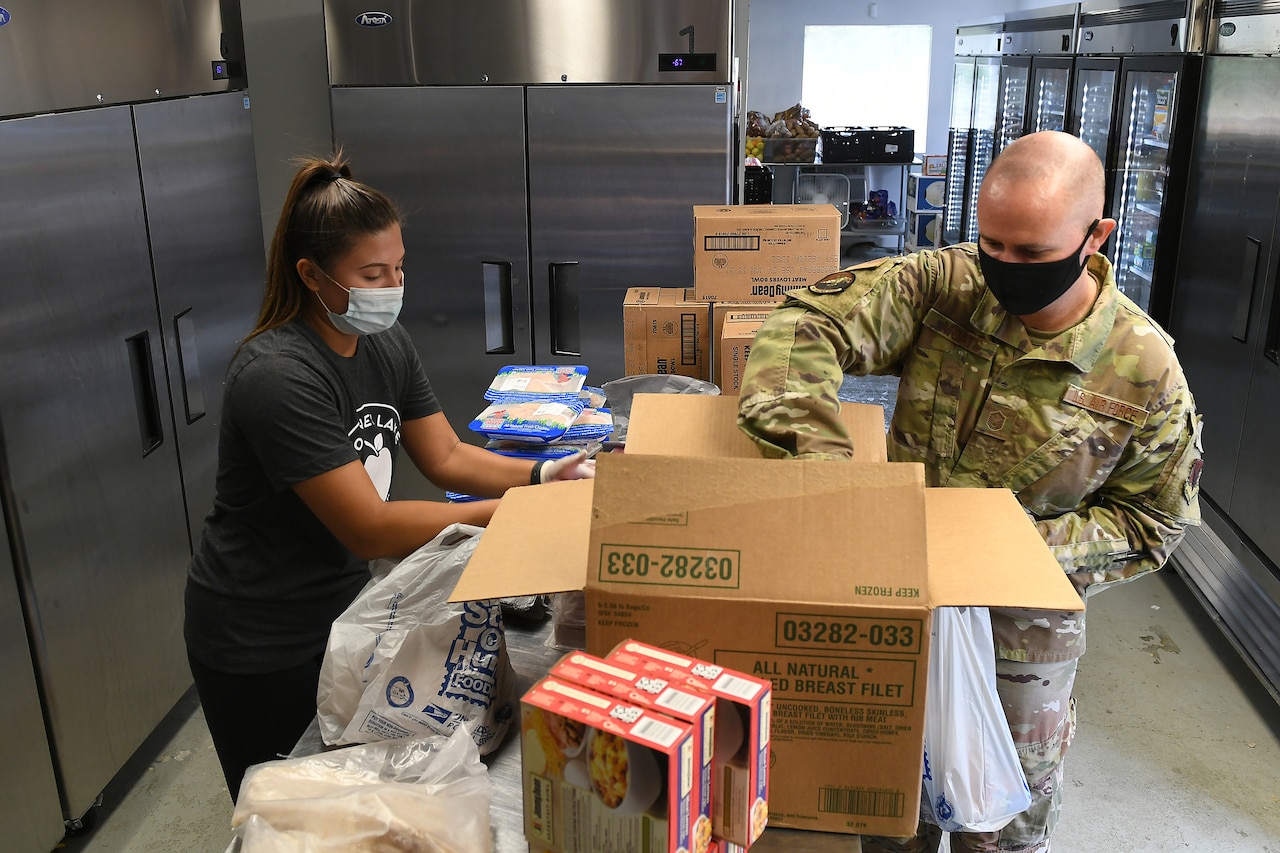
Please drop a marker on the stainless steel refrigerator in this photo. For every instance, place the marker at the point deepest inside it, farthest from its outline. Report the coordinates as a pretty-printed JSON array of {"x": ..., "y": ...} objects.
[
  {"x": 29, "y": 806},
  {"x": 546, "y": 160},
  {"x": 1144, "y": 57},
  {"x": 130, "y": 263},
  {"x": 1226, "y": 321},
  {"x": 975, "y": 102}
]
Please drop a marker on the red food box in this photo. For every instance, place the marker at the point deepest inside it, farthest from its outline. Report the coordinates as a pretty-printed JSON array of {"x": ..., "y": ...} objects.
[
  {"x": 740, "y": 760},
  {"x": 602, "y": 774},
  {"x": 696, "y": 707}
]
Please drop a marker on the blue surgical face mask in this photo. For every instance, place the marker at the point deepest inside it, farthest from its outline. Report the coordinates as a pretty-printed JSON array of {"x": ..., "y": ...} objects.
[{"x": 369, "y": 309}]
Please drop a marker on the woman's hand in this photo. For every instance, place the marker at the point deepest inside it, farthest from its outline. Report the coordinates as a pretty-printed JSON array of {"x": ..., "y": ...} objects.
[{"x": 573, "y": 467}]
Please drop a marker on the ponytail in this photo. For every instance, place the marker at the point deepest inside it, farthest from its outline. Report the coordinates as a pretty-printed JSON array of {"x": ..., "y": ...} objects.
[{"x": 325, "y": 212}]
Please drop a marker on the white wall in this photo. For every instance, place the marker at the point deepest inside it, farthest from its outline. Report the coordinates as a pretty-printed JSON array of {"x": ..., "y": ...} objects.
[{"x": 776, "y": 47}]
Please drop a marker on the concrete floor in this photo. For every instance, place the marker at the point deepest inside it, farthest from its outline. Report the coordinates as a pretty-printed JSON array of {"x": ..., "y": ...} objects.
[{"x": 1178, "y": 748}]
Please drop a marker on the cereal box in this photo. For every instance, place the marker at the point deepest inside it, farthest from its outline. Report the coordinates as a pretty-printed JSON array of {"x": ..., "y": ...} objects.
[
  {"x": 740, "y": 761},
  {"x": 696, "y": 707},
  {"x": 603, "y": 774}
]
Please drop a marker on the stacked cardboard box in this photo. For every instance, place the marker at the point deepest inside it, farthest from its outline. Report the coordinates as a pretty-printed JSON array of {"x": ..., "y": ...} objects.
[
  {"x": 925, "y": 197},
  {"x": 665, "y": 331},
  {"x": 737, "y": 331},
  {"x": 746, "y": 259}
]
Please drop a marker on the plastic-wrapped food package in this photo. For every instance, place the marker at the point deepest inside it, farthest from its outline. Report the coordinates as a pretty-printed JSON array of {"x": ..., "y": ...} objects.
[
  {"x": 424, "y": 794},
  {"x": 533, "y": 421},
  {"x": 620, "y": 392},
  {"x": 517, "y": 382},
  {"x": 592, "y": 424},
  {"x": 568, "y": 620}
]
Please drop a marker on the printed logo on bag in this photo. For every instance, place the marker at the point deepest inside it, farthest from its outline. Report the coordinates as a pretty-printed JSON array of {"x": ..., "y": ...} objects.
[
  {"x": 471, "y": 668},
  {"x": 399, "y": 692},
  {"x": 375, "y": 436}
]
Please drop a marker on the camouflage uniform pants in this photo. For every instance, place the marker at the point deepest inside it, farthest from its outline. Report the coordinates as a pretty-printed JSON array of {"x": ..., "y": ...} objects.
[{"x": 1041, "y": 712}]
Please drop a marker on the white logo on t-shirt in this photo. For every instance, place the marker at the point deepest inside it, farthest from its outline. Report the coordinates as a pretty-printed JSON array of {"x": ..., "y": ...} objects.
[{"x": 375, "y": 436}]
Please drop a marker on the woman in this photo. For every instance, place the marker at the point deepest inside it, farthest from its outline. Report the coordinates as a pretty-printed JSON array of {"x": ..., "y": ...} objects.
[{"x": 318, "y": 398}]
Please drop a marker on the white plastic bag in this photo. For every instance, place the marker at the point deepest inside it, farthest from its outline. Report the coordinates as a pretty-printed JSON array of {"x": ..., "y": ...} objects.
[
  {"x": 972, "y": 777},
  {"x": 402, "y": 660},
  {"x": 422, "y": 794}
]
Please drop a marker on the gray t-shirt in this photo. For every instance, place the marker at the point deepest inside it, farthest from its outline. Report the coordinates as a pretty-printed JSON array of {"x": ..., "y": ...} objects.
[{"x": 268, "y": 578}]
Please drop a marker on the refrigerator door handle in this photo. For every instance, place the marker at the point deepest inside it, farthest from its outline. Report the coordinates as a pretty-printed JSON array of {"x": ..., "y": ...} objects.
[
  {"x": 184, "y": 331},
  {"x": 1271, "y": 340},
  {"x": 1245, "y": 291},
  {"x": 499, "y": 338},
  {"x": 566, "y": 334},
  {"x": 145, "y": 397}
]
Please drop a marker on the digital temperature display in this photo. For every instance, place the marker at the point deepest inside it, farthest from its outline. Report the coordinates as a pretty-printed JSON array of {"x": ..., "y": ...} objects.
[{"x": 686, "y": 62}]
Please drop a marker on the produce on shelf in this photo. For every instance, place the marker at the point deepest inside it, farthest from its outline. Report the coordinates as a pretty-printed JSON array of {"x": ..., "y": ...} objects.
[{"x": 790, "y": 136}]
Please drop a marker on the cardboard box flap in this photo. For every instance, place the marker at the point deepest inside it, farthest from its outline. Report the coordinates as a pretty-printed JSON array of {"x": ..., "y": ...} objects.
[
  {"x": 984, "y": 550},
  {"x": 707, "y": 425},
  {"x": 535, "y": 543},
  {"x": 830, "y": 530}
]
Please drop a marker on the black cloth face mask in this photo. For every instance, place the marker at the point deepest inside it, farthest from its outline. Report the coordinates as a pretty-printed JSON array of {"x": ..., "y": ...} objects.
[{"x": 1024, "y": 289}]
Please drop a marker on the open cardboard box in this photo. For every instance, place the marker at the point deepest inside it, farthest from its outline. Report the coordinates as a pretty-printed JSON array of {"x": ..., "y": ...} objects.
[{"x": 818, "y": 575}]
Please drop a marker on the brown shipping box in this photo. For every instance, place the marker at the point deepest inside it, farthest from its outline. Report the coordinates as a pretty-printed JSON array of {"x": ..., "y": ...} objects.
[
  {"x": 758, "y": 252},
  {"x": 825, "y": 577},
  {"x": 733, "y": 347},
  {"x": 665, "y": 331}
]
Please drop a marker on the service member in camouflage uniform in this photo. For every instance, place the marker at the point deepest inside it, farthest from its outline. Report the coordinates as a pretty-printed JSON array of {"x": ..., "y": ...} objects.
[{"x": 1023, "y": 367}]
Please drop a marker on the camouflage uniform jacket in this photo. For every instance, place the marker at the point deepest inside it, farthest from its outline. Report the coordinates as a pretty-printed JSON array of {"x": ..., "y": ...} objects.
[{"x": 1094, "y": 429}]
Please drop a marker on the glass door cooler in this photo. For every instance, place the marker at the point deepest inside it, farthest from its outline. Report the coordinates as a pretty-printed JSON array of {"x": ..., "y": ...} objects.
[
  {"x": 973, "y": 122},
  {"x": 1150, "y": 165},
  {"x": 1015, "y": 73},
  {"x": 1093, "y": 101},
  {"x": 957, "y": 149},
  {"x": 982, "y": 138},
  {"x": 1050, "y": 89},
  {"x": 1150, "y": 54}
]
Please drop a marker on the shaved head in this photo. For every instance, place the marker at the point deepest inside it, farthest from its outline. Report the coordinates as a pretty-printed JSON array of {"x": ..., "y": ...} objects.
[{"x": 1051, "y": 168}]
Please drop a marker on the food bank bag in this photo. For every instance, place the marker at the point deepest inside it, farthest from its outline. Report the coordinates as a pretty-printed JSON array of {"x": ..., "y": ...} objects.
[
  {"x": 972, "y": 777},
  {"x": 402, "y": 660}
]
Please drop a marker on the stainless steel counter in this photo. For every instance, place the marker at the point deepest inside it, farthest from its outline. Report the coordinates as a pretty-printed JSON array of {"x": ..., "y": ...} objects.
[{"x": 532, "y": 657}]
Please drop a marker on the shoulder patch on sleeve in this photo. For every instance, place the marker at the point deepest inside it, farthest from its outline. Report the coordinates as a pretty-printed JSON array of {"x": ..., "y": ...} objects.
[{"x": 837, "y": 282}]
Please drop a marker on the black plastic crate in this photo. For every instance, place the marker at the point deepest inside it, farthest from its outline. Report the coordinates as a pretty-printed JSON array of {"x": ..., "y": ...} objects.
[
  {"x": 757, "y": 185},
  {"x": 868, "y": 144}
]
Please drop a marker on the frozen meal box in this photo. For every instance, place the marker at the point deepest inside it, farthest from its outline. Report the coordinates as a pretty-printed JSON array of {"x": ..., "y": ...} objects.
[
  {"x": 740, "y": 761},
  {"x": 820, "y": 576},
  {"x": 651, "y": 688},
  {"x": 759, "y": 252},
  {"x": 665, "y": 331},
  {"x": 601, "y": 774}
]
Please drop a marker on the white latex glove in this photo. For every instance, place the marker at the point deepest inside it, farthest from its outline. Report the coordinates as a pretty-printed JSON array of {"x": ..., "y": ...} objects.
[{"x": 573, "y": 467}]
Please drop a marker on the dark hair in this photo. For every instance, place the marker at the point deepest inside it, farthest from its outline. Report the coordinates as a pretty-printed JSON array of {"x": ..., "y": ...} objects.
[{"x": 324, "y": 214}]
